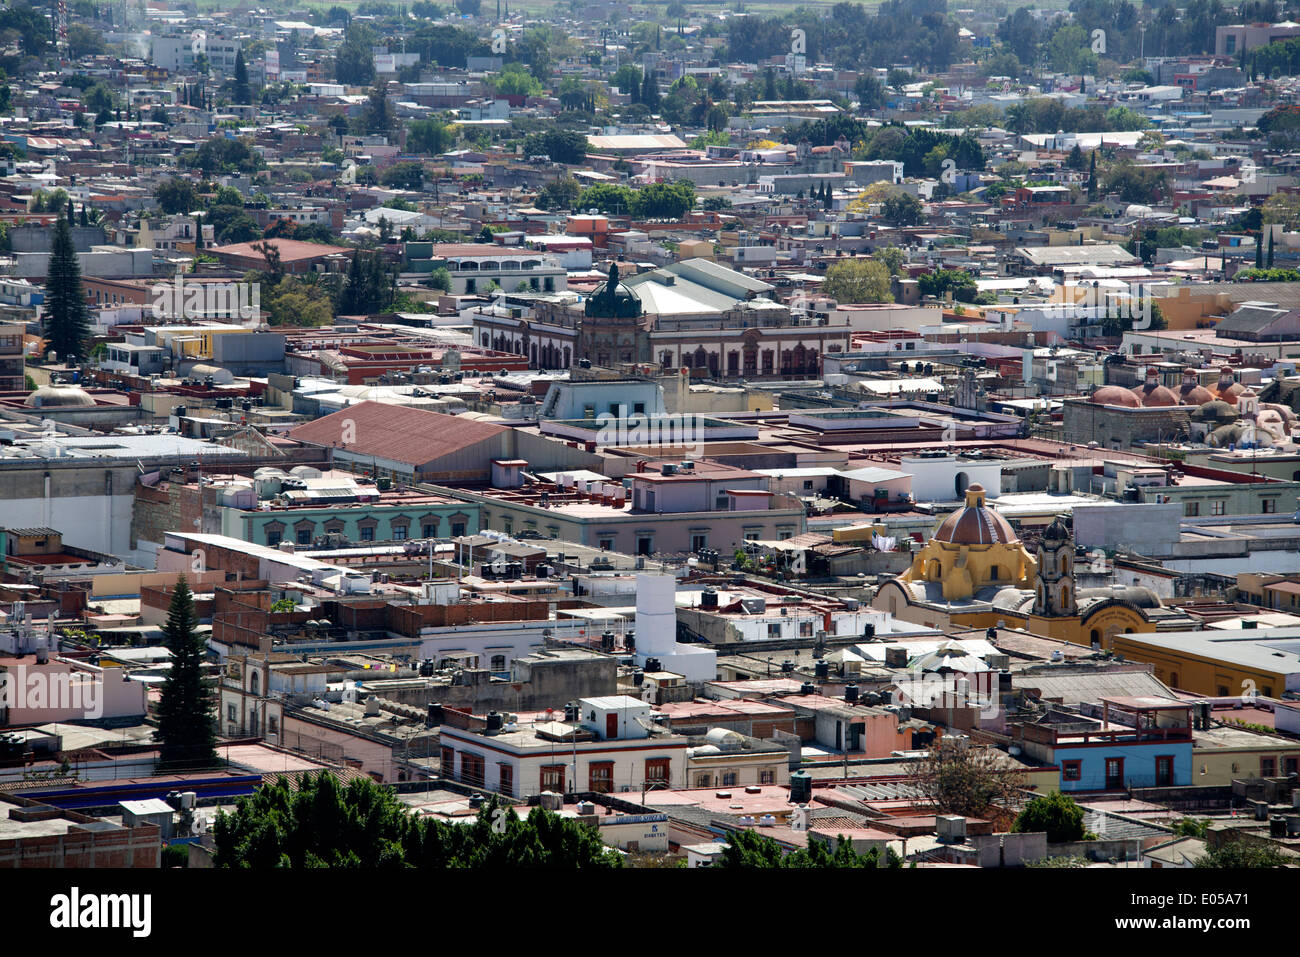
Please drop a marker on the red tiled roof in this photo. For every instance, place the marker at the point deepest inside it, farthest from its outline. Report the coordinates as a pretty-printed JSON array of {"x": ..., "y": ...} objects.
[{"x": 394, "y": 432}]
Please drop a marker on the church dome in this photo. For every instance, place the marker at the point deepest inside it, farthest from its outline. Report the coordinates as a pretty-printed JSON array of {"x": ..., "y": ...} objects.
[
  {"x": 1216, "y": 410},
  {"x": 1152, "y": 394},
  {"x": 59, "y": 397},
  {"x": 1115, "y": 395},
  {"x": 1227, "y": 388},
  {"x": 975, "y": 524},
  {"x": 1191, "y": 392},
  {"x": 1056, "y": 532}
]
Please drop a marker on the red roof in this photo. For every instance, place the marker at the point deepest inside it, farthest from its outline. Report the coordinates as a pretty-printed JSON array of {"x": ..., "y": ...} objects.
[
  {"x": 397, "y": 433},
  {"x": 291, "y": 250}
]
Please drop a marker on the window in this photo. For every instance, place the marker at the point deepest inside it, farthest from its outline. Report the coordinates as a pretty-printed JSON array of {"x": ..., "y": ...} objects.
[
  {"x": 399, "y": 532},
  {"x": 606, "y": 544},
  {"x": 1071, "y": 770},
  {"x": 471, "y": 769},
  {"x": 657, "y": 771},
  {"x": 1291, "y": 765},
  {"x": 232, "y": 713},
  {"x": 728, "y": 779},
  {"x": 703, "y": 780},
  {"x": 699, "y": 543},
  {"x": 600, "y": 775},
  {"x": 1164, "y": 771},
  {"x": 1114, "y": 773},
  {"x": 774, "y": 629},
  {"x": 273, "y": 539},
  {"x": 498, "y": 662},
  {"x": 807, "y": 485},
  {"x": 767, "y": 776},
  {"x": 1268, "y": 505},
  {"x": 805, "y": 629},
  {"x": 304, "y": 536},
  {"x": 1191, "y": 508},
  {"x": 429, "y": 530},
  {"x": 457, "y": 529},
  {"x": 645, "y": 545},
  {"x": 506, "y": 779},
  {"x": 1267, "y": 767},
  {"x": 552, "y": 778},
  {"x": 1218, "y": 506}
]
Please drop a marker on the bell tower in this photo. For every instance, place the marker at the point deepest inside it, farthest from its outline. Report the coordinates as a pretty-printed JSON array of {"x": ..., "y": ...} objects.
[{"x": 1054, "y": 583}]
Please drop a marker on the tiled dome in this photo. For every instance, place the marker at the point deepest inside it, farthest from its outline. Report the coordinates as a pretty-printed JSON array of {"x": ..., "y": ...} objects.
[{"x": 975, "y": 524}]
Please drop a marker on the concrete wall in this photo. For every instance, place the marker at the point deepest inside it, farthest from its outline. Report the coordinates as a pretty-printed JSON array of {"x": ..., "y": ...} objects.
[{"x": 1155, "y": 527}]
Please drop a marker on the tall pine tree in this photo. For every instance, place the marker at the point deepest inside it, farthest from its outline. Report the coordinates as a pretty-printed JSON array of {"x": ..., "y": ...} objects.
[
  {"x": 185, "y": 710},
  {"x": 1270, "y": 249},
  {"x": 243, "y": 92},
  {"x": 67, "y": 319}
]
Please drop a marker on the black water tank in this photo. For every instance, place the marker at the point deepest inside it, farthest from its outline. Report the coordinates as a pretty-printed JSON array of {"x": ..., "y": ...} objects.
[
  {"x": 435, "y": 715},
  {"x": 494, "y": 721},
  {"x": 822, "y": 670},
  {"x": 710, "y": 599},
  {"x": 629, "y": 641},
  {"x": 638, "y": 678},
  {"x": 851, "y": 694},
  {"x": 653, "y": 664},
  {"x": 476, "y": 800},
  {"x": 868, "y": 630},
  {"x": 807, "y": 688},
  {"x": 800, "y": 787}
]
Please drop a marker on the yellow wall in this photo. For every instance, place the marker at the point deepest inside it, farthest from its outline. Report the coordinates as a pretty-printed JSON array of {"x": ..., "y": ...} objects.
[
  {"x": 1187, "y": 309},
  {"x": 1195, "y": 673},
  {"x": 1215, "y": 767}
]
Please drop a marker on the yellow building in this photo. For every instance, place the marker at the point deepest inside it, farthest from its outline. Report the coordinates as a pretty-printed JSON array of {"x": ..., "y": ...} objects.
[
  {"x": 1220, "y": 663},
  {"x": 976, "y": 573}
]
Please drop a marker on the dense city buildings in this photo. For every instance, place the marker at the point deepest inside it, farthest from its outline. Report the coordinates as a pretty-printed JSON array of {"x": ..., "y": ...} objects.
[{"x": 630, "y": 434}]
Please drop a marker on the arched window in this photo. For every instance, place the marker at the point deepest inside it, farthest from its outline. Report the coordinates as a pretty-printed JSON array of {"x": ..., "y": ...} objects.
[
  {"x": 253, "y": 683},
  {"x": 994, "y": 573}
]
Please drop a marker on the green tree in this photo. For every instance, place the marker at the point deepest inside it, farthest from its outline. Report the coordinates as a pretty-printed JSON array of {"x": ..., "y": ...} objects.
[
  {"x": 750, "y": 850},
  {"x": 354, "y": 61},
  {"x": 562, "y": 146},
  {"x": 243, "y": 92},
  {"x": 185, "y": 708},
  {"x": 430, "y": 136},
  {"x": 857, "y": 280},
  {"x": 902, "y": 209},
  {"x": 1057, "y": 814},
  {"x": 379, "y": 115},
  {"x": 1240, "y": 854},
  {"x": 177, "y": 195},
  {"x": 561, "y": 193},
  {"x": 67, "y": 318},
  {"x": 363, "y": 825},
  {"x": 892, "y": 258}
]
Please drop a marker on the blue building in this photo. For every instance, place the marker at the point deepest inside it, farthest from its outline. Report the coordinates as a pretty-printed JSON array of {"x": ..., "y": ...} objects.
[{"x": 1132, "y": 743}]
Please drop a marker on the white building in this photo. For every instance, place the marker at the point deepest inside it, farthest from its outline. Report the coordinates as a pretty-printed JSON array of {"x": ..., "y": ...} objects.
[{"x": 608, "y": 748}]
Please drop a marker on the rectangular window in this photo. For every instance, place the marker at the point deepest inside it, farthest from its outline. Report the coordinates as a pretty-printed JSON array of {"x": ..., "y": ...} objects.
[
  {"x": 805, "y": 629},
  {"x": 1164, "y": 771},
  {"x": 1114, "y": 773},
  {"x": 728, "y": 779},
  {"x": 1071, "y": 770},
  {"x": 1291, "y": 765},
  {"x": 367, "y": 534},
  {"x": 767, "y": 776},
  {"x": 471, "y": 769},
  {"x": 506, "y": 778},
  {"x": 1268, "y": 505},
  {"x": 1218, "y": 506},
  {"x": 399, "y": 532},
  {"x": 552, "y": 778},
  {"x": 606, "y": 544},
  {"x": 231, "y": 713},
  {"x": 600, "y": 775},
  {"x": 457, "y": 529},
  {"x": 657, "y": 771},
  {"x": 1191, "y": 508},
  {"x": 273, "y": 539},
  {"x": 429, "y": 531},
  {"x": 1267, "y": 767},
  {"x": 774, "y": 630},
  {"x": 699, "y": 543},
  {"x": 304, "y": 536}
]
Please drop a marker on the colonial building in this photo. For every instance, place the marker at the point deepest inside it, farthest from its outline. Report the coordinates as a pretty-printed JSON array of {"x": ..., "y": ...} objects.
[
  {"x": 975, "y": 572},
  {"x": 695, "y": 314}
]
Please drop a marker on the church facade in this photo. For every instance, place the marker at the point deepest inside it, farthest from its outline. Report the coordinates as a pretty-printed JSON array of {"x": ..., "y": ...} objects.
[{"x": 976, "y": 573}]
